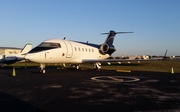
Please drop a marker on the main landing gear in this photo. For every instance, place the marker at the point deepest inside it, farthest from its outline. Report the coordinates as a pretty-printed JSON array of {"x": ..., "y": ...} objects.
[
  {"x": 97, "y": 66},
  {"x": 76, "y": 66},
  {"x": 42, "y": 68}
]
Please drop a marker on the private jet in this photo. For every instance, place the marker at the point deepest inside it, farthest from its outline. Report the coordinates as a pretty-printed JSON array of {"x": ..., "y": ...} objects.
[
  {"x": 13, "y": 58},
  {"x": 73, "y": 52}
]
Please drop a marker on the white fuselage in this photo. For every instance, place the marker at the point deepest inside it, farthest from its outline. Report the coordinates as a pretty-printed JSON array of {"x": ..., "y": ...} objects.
[{"x": 68, "y": 52}]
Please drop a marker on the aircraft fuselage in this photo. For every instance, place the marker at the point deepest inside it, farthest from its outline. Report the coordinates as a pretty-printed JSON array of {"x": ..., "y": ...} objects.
[{"x": 65, "y": 51}]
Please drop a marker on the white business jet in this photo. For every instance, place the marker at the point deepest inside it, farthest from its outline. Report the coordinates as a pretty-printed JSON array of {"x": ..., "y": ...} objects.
[
  {"x": 13, "y": 58},
  {"x": 73, "y": 52}
]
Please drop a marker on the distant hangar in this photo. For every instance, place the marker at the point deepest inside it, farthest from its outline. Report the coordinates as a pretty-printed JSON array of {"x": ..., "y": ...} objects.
[{"x": 9, "y": 50}]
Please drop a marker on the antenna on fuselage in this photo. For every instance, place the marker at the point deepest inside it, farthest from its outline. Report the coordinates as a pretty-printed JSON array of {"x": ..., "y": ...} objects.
[{"x": 64, "y": 38}]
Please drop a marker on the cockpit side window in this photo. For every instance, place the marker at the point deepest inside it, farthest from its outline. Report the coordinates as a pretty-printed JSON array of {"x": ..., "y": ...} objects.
[{"x": 45, "y": 46}]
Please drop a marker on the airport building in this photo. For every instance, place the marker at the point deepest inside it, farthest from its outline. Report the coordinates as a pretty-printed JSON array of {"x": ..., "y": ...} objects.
[
  {"x": 175, "y": 57},
  {"x": 9, "y": 50},
  {"x": 145, "y": 57}
]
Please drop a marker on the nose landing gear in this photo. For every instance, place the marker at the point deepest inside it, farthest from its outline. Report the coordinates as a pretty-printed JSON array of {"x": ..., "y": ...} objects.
[{"x": 42, "y": 68}]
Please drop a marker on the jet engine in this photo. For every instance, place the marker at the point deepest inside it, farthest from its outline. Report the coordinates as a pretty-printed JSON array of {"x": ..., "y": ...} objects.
[{"x": 105, "y": 48}]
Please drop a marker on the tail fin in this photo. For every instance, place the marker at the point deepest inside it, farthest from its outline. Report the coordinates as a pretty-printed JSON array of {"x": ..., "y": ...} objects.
[
  {"x": 110, "y": 38},
  {"x": 165, "y": 57},
  {"x": 107, "y": 47},
  {"x": 26, "y": 48}
]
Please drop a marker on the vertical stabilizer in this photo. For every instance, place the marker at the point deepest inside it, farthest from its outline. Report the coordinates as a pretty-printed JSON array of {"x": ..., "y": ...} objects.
[
  {"x": 26, "y": 48},
  {"x": 107, "y": 47},
  {"x": 110, "y": 38},
  {"x": 165, "y": 57}
]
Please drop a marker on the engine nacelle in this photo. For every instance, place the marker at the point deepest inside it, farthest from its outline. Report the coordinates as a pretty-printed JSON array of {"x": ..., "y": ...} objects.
[
  {"x": 105, "y": 48},
  {"x": 10, "y": 58}
]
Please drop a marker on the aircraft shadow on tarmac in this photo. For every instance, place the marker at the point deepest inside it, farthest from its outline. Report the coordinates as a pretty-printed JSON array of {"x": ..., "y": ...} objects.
[
  {"x": 9, "y": 103},
  {"x": 154, "y": 92}
]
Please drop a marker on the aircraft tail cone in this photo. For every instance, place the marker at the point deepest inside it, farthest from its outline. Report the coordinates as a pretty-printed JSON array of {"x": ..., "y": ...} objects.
[
  {"x": 172, "y": 70},
  {"x": 14, "y": 72}
]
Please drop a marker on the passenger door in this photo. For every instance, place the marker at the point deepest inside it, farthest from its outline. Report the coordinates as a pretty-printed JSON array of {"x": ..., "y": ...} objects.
[{"x": 69, "y": 49}]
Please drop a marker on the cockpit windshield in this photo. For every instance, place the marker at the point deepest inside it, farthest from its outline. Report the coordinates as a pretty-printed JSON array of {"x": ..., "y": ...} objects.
[{"x": 45, "y": 46}]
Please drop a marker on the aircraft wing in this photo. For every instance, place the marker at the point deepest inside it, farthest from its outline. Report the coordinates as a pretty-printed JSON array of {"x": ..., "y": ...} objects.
[{"x": 112, "y": 60}]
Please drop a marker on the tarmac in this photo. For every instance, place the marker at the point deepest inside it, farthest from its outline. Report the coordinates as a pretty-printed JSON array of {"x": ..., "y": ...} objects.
[{"x": 62, "y": 90}]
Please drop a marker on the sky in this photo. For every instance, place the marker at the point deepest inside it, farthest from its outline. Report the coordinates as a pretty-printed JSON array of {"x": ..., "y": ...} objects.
[{"x": 155, "y": 23}]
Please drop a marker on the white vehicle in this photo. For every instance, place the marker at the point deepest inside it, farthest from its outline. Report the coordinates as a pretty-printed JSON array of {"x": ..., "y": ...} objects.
[
  {"x": 13, "y": 58},
  {"x": 73, "y": 52}
]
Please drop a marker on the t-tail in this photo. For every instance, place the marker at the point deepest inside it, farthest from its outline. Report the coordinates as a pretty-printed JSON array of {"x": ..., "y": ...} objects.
[{"x": 107, "y": 47}]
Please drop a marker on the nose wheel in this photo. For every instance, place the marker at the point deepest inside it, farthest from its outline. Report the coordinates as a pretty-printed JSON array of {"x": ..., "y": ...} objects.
[
  {"x": 42, "y": 71},
  {"x": 42, "y": 68}
]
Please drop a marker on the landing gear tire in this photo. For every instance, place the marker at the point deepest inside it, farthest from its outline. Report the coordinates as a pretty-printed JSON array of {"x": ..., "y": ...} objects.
[
  {"x": 43, "y": 71},
  {"x": 77, "y": 67},
  {"x": 97, "y": 66},
  {"x": 42, "y": 68}
]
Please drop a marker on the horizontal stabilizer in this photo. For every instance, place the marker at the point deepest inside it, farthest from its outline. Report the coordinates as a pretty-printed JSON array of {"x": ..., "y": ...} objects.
[
  {"x": 110, "y": 38},
  {"x": 115, "y": 32}
]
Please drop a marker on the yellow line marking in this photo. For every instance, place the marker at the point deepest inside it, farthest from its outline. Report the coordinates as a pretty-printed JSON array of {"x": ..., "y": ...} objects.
[{"x": 123, "y": 70}]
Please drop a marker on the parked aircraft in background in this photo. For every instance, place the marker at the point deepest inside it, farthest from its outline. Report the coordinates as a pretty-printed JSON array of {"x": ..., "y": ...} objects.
[
  {"x": 13, "y": 58},
  {"x": 73, "y": 52},
  {"x": 165, "y": 57}
]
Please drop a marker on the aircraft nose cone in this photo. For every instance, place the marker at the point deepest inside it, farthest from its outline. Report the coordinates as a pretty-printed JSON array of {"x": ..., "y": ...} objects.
[
  {"x": 30, "y": 57},
  {"x": 34, "y": 57}
]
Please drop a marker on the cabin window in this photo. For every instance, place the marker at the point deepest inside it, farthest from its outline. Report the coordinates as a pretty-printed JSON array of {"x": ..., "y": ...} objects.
[
  {"x": 89, "y": 50},
  {"x": 79, "y": 49},
  {"x": 83, "y": 49},
  {"x": 92, "y": 50},
  {"x": 86, "y": 49},
  {"x": 75, "y": 49}
]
